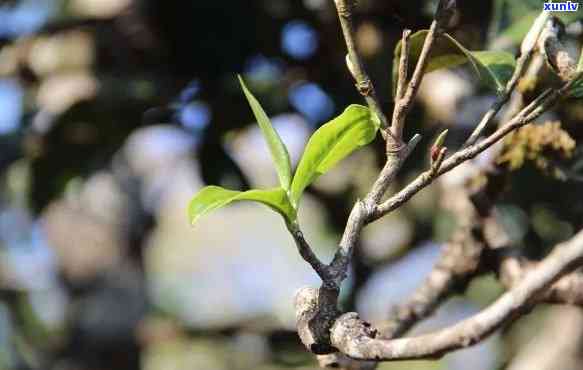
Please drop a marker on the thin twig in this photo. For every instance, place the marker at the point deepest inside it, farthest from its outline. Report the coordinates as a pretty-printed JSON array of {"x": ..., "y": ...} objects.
[
  {"x": 404, "y": 103},
  {"x": 306, "y": 251},
  {"x": 362, "y": 209},
  {"x": 419, "y": 72},
  {"x": 364, "y": 84},
  {"x": 503, "y": 97},
  {"x": 396, "y": 151},
  {"x": 527, "y": 115},
  {"x": 457, "y": 265},
  {"x": 459, "y": 262},
  {"x": 403, "y": 65},
  {"x": 567, "y": 290},
  {"x": 436, "y": 165}
]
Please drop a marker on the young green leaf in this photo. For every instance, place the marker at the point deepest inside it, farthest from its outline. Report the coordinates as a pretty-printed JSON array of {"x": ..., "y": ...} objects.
[
  {"x": 493, "y": 68},
  {"x": 277, "y": 148},
  {"x": 213, "y": 197},
  {"x": 437, "y": 146},
  {"x": 332, "y": 142},
  {"x": 438, "y": 143}
]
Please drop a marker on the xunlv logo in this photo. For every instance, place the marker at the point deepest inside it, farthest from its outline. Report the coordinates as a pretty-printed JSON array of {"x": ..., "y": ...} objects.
[{"x": 561, "y": 7}]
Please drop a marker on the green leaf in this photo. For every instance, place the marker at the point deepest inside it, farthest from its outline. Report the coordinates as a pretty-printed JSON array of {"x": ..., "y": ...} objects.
[
  {"x": 494, "y": 68},
  {"x": 277, "y": 148},
  {"x": 331, "y": 143},
  {"x": 213, "y": 197}
]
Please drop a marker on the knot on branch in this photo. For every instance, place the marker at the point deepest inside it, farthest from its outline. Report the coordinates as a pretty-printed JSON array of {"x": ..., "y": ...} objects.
[
  {"x": 365, "y": 87},
  {"x": 345, "y": 7},
  {"x": 315, "y": 314},
  {"x": 350, "y": 331},
  {"x": 395, "y": 147}
]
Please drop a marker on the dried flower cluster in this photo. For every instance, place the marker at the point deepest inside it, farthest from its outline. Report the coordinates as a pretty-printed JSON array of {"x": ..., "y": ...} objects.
[{"x": 540, "y": 144}]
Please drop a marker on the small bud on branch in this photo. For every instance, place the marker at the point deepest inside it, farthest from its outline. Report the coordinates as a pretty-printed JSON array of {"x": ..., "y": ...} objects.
[
  {"x": 438, "y": 152},
  {"x": 350, "y": 66}
]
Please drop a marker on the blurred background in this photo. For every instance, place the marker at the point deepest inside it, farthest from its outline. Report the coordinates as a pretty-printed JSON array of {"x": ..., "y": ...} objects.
[{"x": 113, "y": 113}]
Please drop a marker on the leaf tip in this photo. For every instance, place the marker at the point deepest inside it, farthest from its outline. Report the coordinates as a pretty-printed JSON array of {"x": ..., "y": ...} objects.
[
  {"x": 241, "y": 81},
  {"x": 440, "y": 139}
]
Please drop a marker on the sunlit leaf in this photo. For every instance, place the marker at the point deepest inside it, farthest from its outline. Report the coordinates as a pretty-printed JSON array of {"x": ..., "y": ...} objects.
[
  {"x": 493, "y": 68},
  {"x": 213, "y": 197},
  {"x": 276, "y": 146},
  {"x": 332, "y": 142}
]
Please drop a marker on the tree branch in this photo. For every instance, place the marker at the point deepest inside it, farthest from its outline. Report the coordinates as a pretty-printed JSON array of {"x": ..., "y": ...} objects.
[
  {"x": 458, "y": 264},
  {"x": 364, "y": 85},
  {"x": 319, "y": 326},
  {"x": 526, "y": 116},
  {"x": 404, "y": 103},
  {"x": 362, "y": 210},
  {"x": 527, "y": 51},
  {"x": 567, "y": 290},
  {"x": 397, "y": 153},
  {"x": 306, "y": 251},
  {"x": 357, "y": 339},
  {"x": 404, "y": 97},
  {"x": 403, "y": 65}
]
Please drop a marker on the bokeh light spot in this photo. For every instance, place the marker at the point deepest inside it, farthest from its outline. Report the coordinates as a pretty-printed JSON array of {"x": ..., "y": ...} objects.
[
  {"x": 195, "y": 116},
  {"x": 313, "y": 102},
  {"x": 190, "y": 92},
  {"x": 25, "y": 17},
  {"x": 262, "y": 69},
  {"x": 10, "y": 105},
  {"x": 299, "y": 40}
]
